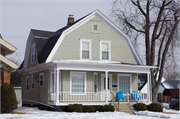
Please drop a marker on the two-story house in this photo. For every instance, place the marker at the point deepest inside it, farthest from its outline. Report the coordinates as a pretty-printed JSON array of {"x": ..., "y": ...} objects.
[
  {"x": 85, "y": 62},
  {"x": 7, "y": 66}
]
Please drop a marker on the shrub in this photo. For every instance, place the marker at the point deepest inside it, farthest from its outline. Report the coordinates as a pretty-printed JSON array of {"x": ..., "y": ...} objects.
[
  {"x": 75, "y": 108},
  {"x": 106, "y": 108},
  {"x": 155, "y": 107},
  {"x": 8, "y": 98},
  {"x": 89, "y": 109},
  {"x": 140, "y": 107}
]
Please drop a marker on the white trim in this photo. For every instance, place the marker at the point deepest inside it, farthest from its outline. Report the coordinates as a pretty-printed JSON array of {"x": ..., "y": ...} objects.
[
  {"x": 41, "y": 74},
  {"x": 32, "y": 83},
  {"x": 8, "y": 62},
  {"x": 130, "y": 75},
  {"x": 95, "y": 73},
  {"x": 84, "y": 103},
  {"x": 85, "y": 40},
  {"x": 109, "y": 50},
  {"x": 27, "y": 77},
  {"x": 106, "y": 21},
  {"x": 85, "y": 78}
]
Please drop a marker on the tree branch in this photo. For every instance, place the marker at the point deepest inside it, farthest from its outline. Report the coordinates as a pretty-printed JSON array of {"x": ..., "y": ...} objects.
[{"x": 139, "y": 6}]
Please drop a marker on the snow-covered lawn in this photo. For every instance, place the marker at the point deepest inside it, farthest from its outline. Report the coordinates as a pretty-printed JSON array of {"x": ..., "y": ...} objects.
[{"x": 35, "y": 113}]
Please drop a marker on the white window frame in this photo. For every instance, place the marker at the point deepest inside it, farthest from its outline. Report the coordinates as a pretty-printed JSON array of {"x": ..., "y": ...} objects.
[
  {"x": 84, "y": 73},
  {"x": 54, "y": 82},
  {"x": 109, "y": 50},
  {"x": 27, "y": 83},
  {"x": 85, "y": 40},
  {"x": 32, "y": 83},
  {"x": 33, "y": 55},
  {"x": 129, "y": 75},
  {"x": 40, "y": 74},
  {"x": 95, "y": 73}
]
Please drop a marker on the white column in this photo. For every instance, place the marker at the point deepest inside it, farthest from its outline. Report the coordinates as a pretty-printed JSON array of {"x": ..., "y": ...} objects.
[
  {"x": 150, "y": 87},
  {"x": 57, "y": 86},
  {"x": 148, "y": 91},
  {"x": 106, "y": 98}
]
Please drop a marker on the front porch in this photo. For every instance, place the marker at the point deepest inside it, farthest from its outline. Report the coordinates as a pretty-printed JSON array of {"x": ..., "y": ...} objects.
[{"x": 96, "y": 83}]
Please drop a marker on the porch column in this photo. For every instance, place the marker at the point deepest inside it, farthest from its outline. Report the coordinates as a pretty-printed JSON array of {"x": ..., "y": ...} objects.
[
  {"x": 148, "y": 91},
  {"x": 106, "y": 98},
  {"x": 57, "y": 86}
]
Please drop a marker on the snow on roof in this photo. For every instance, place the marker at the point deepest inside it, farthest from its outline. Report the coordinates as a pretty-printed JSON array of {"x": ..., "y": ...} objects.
[{"x": 167, "y": 85}]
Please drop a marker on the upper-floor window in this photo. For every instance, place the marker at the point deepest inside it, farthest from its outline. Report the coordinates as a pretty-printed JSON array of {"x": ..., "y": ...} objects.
[
  {"x": 33, "y": 53},
  {"x": 41, "y": 79},
  {"x": 105, "y": 50},
  {"x": 85, "y": 49}
]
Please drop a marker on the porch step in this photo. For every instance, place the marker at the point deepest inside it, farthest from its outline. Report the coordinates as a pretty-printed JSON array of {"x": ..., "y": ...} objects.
[{"x": 123, "y": 107}]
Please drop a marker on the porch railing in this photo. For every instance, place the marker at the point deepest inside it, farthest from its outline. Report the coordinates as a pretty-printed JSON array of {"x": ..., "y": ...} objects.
[
  {"x": 88, "y": 96},
  {"x": 98, "y": 96}
]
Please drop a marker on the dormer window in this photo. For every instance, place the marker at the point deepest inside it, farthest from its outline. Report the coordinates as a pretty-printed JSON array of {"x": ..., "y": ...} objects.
[
  {"x": 85, "y": 51},
  {"x": 33, "y": 53}
]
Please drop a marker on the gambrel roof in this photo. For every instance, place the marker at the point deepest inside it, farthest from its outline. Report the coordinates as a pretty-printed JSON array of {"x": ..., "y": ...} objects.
[{"x": 48, "y": 42}]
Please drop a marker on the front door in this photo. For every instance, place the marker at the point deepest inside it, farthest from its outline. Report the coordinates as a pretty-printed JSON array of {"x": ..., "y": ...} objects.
[{"x": 103, "y": 86}]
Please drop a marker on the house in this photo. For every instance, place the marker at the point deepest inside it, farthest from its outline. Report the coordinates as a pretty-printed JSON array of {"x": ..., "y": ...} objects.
[
  {"x": 7, "y": 66},
  {"x": 167, "y": 90},
  {"x": 85, "y": 62}
]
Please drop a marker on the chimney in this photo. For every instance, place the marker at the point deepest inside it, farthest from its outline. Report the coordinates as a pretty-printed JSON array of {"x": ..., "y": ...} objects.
[{"x": 70, "y": 20}]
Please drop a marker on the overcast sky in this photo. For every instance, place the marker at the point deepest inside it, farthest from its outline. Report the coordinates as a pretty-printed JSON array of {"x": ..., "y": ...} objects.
[{"x": 19, "y": 16}]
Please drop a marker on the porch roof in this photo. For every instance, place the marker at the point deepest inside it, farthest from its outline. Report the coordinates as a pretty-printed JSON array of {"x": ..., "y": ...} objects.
[{"x": 110, "y": 66}]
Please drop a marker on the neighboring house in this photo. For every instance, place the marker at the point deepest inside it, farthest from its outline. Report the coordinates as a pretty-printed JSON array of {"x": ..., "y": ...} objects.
[
  {"x": 7, "y": 66},
  {"x": 82, "y": 62},
  {"x": 167, "y": 90}
]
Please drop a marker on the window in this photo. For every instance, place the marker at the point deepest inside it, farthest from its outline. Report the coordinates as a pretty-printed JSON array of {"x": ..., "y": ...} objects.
[
  {"x": 85, "y": 51},
  {"x": 95, "y": 83},
  {"x": 32, "y": 83},
  {"x": 78, "y": 82},
  {"x": 33, "y": 53},
  {"x": 27, "y": 83},
  {"x": 53, "y": 82},
  {"x": 105, "y": 50},
  {"x": 124, "y": 83},
  {"x": 95, "y": 27},
  {"x": 41, "y": 79}
]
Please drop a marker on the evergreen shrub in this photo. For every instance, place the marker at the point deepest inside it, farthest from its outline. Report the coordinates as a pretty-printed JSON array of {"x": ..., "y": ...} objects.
[
  {"x": 75, "y": 108},
  {"x": 155, "y": 107},
  {"x": 89, "y": 109},
  {"x": 8, "y": 98},
  {"x": 140, "y": 107},
  {"x": 106, "y": 108}
]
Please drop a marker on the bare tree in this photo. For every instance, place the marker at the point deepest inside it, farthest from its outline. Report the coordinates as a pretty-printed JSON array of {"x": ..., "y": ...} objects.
[
  {"x": 15, "y": 79},
  {"x": 155, "y": 23}
]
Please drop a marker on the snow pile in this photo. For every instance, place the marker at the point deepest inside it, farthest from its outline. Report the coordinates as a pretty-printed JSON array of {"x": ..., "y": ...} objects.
[
  {"x": 35, "y": 113},
  {"x": 171, "y": 111},
  {"x": 153, "y": 114}
]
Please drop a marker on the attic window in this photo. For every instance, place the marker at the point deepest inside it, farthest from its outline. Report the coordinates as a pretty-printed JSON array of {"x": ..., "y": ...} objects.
[
  {"x": 33, "y": 53},
  {"x": 95, "y": 27}
]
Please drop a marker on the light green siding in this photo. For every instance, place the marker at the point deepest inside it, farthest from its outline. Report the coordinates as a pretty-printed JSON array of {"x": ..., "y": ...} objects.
[
  {"x": 70, "y": 46},
  {"x": 41, "y": 91}
]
